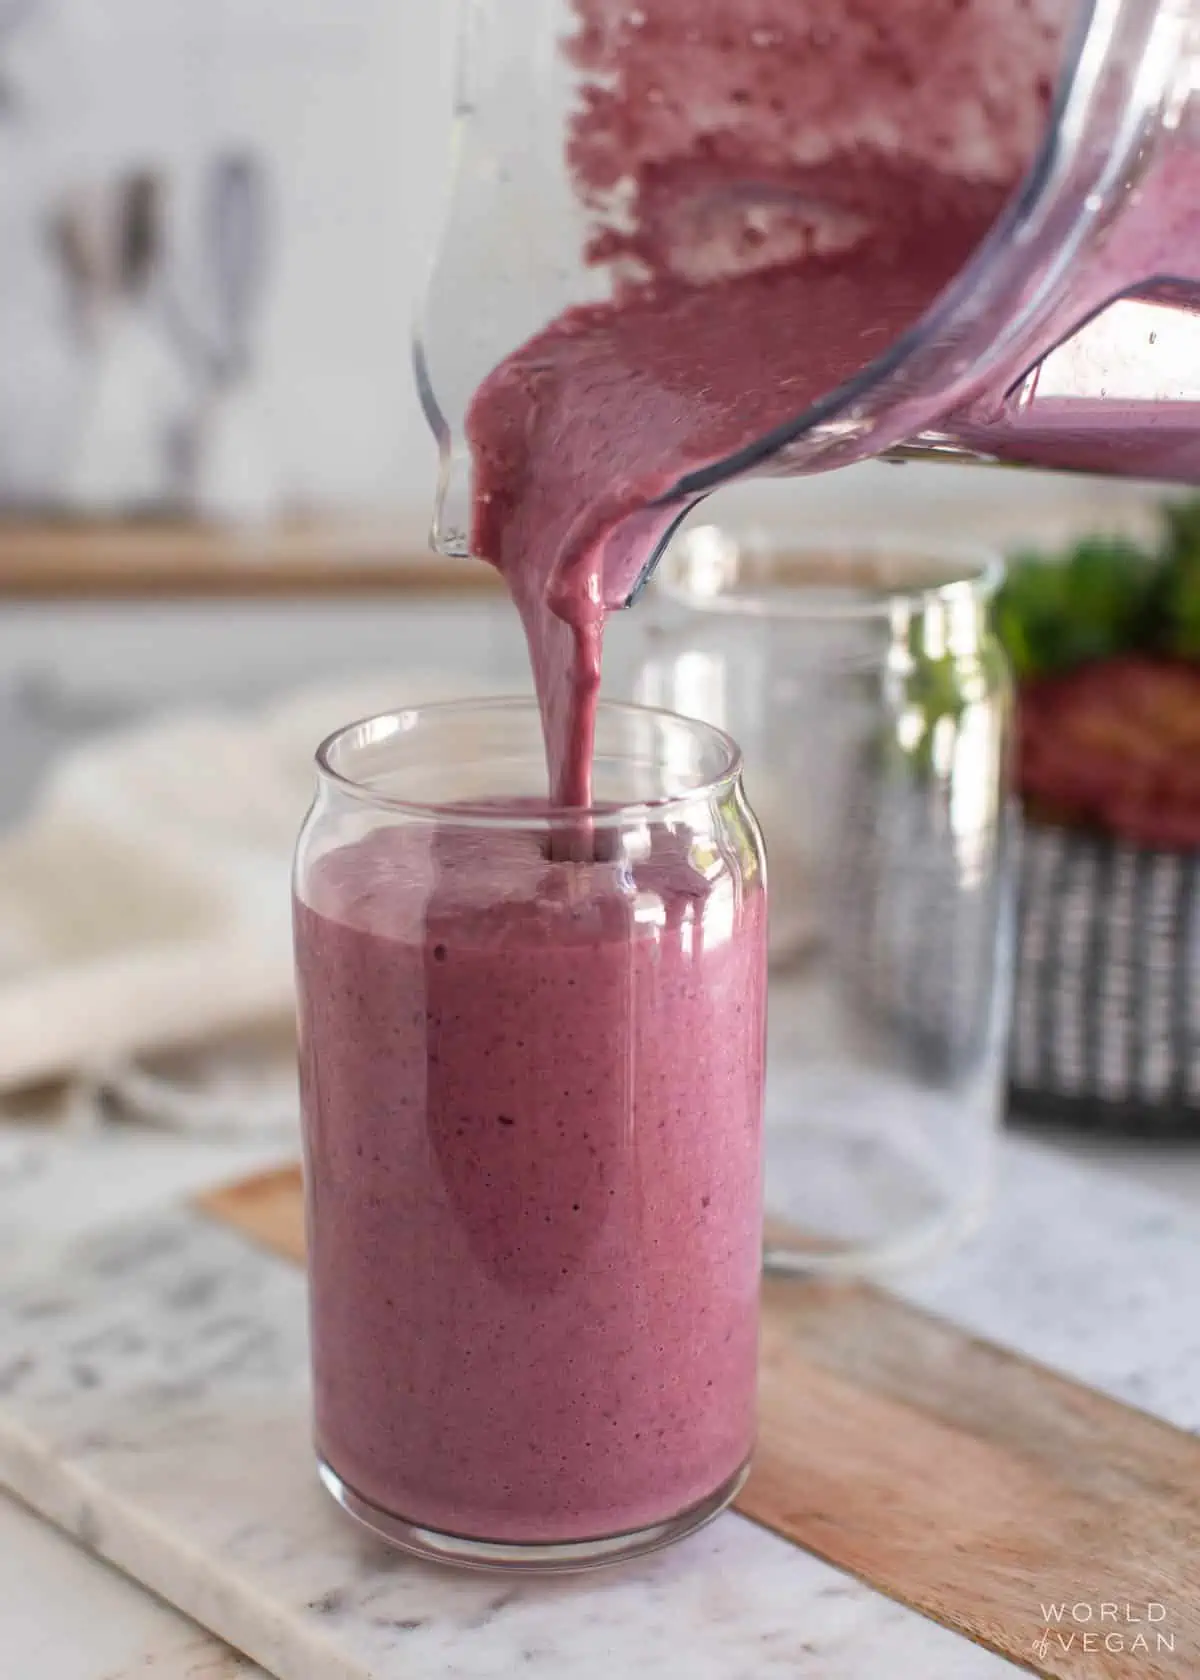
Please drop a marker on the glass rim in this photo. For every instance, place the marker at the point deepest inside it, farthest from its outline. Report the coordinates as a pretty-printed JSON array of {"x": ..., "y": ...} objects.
[
  {"x": 975, "y": 572},
  {"x": 499, "y": 815}
]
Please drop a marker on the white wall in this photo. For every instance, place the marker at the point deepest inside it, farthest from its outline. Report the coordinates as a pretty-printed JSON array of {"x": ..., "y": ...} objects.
[{"x": 349, "y": 99}]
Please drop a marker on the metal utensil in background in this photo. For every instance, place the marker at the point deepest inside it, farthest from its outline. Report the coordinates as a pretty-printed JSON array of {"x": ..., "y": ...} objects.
[
  {"x": 236, "y": 218},
  {"x": 140, "y": 230},
  {"x": 110, "y": 242},
  {"x": 232, "y": 479},
  {"x": 79, "y": 234}
]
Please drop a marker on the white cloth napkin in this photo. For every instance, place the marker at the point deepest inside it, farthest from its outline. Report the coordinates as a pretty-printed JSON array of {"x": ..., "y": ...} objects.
[
  {"x": 144, "y": 903},
  {"x": 145, "y": 916}
]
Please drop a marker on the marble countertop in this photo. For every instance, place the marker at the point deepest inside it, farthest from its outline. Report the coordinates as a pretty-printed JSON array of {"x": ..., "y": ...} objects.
[{"x": 65, "y": 1616}]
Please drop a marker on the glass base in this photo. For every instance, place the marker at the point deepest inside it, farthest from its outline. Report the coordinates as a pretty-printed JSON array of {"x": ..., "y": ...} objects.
[
  {"x": 554, "y": 1558},
  {"x": 787, "y": 1253}
]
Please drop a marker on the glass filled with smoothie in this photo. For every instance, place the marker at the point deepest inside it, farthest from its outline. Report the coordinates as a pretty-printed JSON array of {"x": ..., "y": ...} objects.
[{"x": 531, "y": 1047}]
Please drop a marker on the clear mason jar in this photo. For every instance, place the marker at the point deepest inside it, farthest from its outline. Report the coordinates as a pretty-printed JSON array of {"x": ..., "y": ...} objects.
[
  {"x": 873, "y": 703},
  {"x": 532, "y": 1064}
]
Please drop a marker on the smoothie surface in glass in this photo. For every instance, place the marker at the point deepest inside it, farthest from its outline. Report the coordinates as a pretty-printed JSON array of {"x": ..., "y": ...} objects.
[{"x": 533, "y": 1098}]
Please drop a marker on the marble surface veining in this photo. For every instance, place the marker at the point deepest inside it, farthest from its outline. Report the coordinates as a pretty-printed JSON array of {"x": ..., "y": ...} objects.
[
  {"x": 153, "y": 1402},
  {"x": 1087, "y": 1272},
  {"x": 65, "y": 1615}
]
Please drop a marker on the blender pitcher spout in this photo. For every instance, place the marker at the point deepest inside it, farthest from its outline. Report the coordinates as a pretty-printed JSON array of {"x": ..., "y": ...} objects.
[
  {"x": 750, "y": 267},
  {"x": 451, "y": 527}
]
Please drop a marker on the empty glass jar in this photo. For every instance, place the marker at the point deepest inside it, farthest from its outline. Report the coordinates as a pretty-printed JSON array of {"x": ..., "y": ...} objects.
[{"x": 872, "y": 703}]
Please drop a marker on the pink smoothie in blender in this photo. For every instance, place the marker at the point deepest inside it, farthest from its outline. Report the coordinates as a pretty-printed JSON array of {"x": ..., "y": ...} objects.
[{"x": 811, "y": 232}]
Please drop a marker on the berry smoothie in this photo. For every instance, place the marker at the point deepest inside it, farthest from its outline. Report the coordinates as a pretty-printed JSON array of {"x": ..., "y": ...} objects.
[
  {"x": 532, "y": 1086},
  {"x": 777, "y": 189},
  {"x": 533, "y": 1096}
]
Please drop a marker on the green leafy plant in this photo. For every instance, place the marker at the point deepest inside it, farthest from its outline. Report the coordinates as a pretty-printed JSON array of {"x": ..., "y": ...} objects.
[
  {"x": 1105, "y": 596},
  {"x": 1180, "y": 585}
]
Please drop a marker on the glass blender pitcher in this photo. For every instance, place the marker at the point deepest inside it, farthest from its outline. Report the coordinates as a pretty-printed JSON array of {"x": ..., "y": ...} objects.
[{"x": 1070, "y": 338}]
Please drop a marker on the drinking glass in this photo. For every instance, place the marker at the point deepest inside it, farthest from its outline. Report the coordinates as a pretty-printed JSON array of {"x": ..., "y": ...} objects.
[
  {"x": 532, "y": 1061},
  {"x": 872, "y": 702}
]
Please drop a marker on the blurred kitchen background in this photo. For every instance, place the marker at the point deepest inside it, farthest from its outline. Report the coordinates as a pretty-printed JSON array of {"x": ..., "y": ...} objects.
[
  {"x": 198, "y": 198},
  {"x": 216, "y": 481},
  {"x": 216, "y": 221}
]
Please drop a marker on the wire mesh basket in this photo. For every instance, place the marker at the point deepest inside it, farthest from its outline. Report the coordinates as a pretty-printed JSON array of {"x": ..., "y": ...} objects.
[{"x": 1106, "y": 1013}]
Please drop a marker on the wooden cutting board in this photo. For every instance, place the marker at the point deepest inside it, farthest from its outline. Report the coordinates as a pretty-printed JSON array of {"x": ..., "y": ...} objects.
[{"x": 970, "y": 1484}]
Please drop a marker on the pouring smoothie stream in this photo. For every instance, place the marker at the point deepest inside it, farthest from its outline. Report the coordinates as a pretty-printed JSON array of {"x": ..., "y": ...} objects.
[
  {"x": 777, "y": 193},
  {"x": 532, "y": 1072}
]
